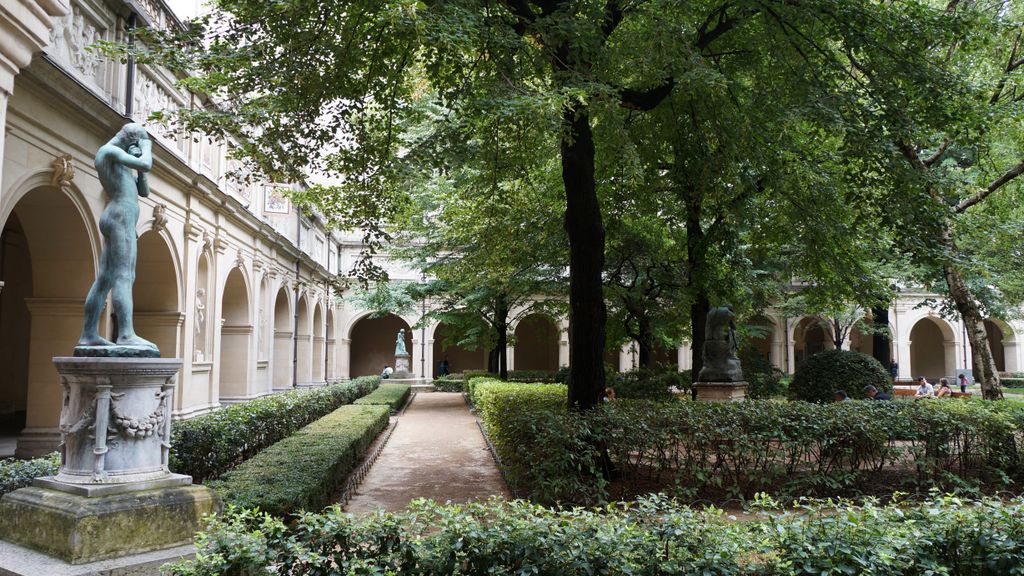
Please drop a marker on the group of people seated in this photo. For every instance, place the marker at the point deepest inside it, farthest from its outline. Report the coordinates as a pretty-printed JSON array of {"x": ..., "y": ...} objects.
[{"x": 924, "y": 390}]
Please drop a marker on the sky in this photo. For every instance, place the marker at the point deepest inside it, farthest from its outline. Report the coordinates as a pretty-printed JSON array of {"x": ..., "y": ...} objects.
[{"x": 185, "y": 9}]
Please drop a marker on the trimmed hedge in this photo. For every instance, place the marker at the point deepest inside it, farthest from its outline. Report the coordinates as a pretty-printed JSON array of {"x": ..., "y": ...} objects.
[
  {"x": 449, "y": 384},
  {"x": 209, "y": 445},
  {"x": 16, "y": 473},
  {"x": 391, "y": 395},
  {"x": 651, "y": 536},
  {"x": 518, "y": 375},
  {"x": 819, "y": 377},
  {"x": 714, "y": 451},
  {"x": 304, "y": 470}
]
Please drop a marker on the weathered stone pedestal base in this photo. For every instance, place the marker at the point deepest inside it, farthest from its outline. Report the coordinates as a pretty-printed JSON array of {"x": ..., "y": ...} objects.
[
  {"x": 79, "y": 529},
  {"x": 403, "y": 367},
  {"x": 721, "y": 391}
]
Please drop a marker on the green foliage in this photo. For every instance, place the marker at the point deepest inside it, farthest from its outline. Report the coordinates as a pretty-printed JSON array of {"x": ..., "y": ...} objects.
[
  {"x": 390, "y": 395},
  {"x": 649, "y": 384},
  {"x": 763, "y": 378},
  {"x": 725, "y": 451},
  {"x": 16, "y": 473},
  {"x": 818, "y": 377},
  {"x": 304, "y": 470},
  {"x": 449, "y": 384},
  {"x": 207, "y": 446},
  {"x": 655, "y": 535}
]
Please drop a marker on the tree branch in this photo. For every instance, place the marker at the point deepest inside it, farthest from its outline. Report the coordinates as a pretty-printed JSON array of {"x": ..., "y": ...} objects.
[
  {"x": 995, "y": 185},
  {"x": 644, "y": 100},
  {"x": 938, "y": 153}
]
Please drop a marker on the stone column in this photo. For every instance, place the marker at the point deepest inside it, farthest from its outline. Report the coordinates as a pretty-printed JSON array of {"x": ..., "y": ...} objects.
[
  {"x": 25, "y": 27},
  {"x": 344, "y": 360},
  {"x": 563, "y": 343},
  {"x": 56, "y": 326},
  {"x": 903, "y": 360}
]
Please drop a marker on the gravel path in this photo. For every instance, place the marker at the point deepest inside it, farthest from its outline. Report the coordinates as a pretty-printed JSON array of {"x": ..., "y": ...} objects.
[{"x": 435, "y": 452}]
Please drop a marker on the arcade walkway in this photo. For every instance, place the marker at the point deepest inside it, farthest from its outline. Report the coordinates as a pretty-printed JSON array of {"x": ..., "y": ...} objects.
[{"x": 436, "y": 452}]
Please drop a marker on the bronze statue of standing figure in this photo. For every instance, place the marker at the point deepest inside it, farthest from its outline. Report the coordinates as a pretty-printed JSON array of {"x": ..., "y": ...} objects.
[{"x": 117, "y": 161}]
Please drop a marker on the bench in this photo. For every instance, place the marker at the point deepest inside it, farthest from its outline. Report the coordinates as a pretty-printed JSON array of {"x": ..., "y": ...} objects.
[{"x": 911, "y": 392}]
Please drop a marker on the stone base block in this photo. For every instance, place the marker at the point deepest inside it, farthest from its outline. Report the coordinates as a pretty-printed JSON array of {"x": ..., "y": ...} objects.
[
  {"x": 78, "y": 529},
  {"x": 721, "y": 391},
  {"x": 19, "y": 561},
  {"x": 98, "y": 489}
]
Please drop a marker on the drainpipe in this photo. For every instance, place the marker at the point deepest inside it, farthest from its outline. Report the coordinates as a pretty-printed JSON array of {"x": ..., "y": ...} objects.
[
  {"x": 129, "y": 80},
  {"x": 295, "y": 329}
]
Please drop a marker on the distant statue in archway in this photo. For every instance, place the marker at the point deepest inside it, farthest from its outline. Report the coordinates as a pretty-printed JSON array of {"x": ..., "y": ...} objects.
[
  {"x": 400, "y": 343},
  {"x": 117, "y": 161}
]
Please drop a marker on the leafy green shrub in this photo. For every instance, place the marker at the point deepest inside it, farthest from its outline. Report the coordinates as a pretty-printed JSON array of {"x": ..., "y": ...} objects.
[
  {"x": 304, "y": 470},
  {"x": 1012, "y": 382},
  {"x": 764, "y": 380},
  {"x": 648, "y": 384},
  {"x": 651, "y": 536},
  {"x": 725, "y": 451},
  {"x": 818, "y": 377},
  {"x": 209, "y": 445},
  {"x": 16, "y": 473},
  {"x": 449, "y": 384},
  {"x": 391, "y": 395},
  {"x": 516, "y": 375}
]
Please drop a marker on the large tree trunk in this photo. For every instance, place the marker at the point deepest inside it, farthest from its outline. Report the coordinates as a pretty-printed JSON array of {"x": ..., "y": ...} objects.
[
  {"x": 645, "y": 342},
  {"x": 584, "y": 227},
  {"x": 974, "y": 323},
  {"x": 880, "y": 347}
]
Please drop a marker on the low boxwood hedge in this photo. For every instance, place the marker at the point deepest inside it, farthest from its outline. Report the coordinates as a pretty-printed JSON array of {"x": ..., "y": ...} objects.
[
  {"x": 209, "y": 445},
  {"x": 703, "y": 450},
  {"x": 304, "y": 470},
  {"x": 390, "y": 395},
  {"x": 16, "y": 473},
  {"x": 651, "y": 536},
  {"x": 449, "y": 384}
]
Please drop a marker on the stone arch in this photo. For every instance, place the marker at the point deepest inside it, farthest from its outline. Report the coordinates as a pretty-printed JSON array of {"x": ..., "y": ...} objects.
[
  {"x": 459, "y": 357},
  {"x": 319, "y": 341},
  {"x": 373, "y": 344},
  {"x": 283, "y": 344},
  {"x": 235, "y": 337},
  {"x": 48, "y": 263},
  {"x": 536, "y": 343},
  {"x": 157, "y": 297},
  {"x": 809, "y": 338},
  {"x": 304, "y": 342},
  {"x": 932, "y": 348}
]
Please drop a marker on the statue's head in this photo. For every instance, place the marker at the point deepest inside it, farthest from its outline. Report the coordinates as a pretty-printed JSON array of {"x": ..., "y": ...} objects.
[
  {"x": 131, "y": 133},
  {"x": 401, "y": 331}
]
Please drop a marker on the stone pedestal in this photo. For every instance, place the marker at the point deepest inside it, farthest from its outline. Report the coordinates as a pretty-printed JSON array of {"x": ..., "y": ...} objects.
[
  {"x": 403, "y": 367},
  {"x": 721, "y": 391},
  {"x": 113, "y": 494}
]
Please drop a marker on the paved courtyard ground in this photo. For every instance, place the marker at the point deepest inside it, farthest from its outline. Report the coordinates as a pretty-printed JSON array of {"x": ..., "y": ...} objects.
[{"x": 436, "y": 452}]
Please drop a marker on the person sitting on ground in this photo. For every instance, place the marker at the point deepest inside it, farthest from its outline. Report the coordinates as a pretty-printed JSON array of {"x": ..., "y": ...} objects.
[
  {"x": 924, "y": 389},
  {"x": 944, "y": 390},
  {"x": 963, "y": 383},
  {"x": 388, "y": 371},
  {"x": 842, "y": 396},
  {"x": 873, "y": 394},
  {"x": 609, "y": 394}
]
